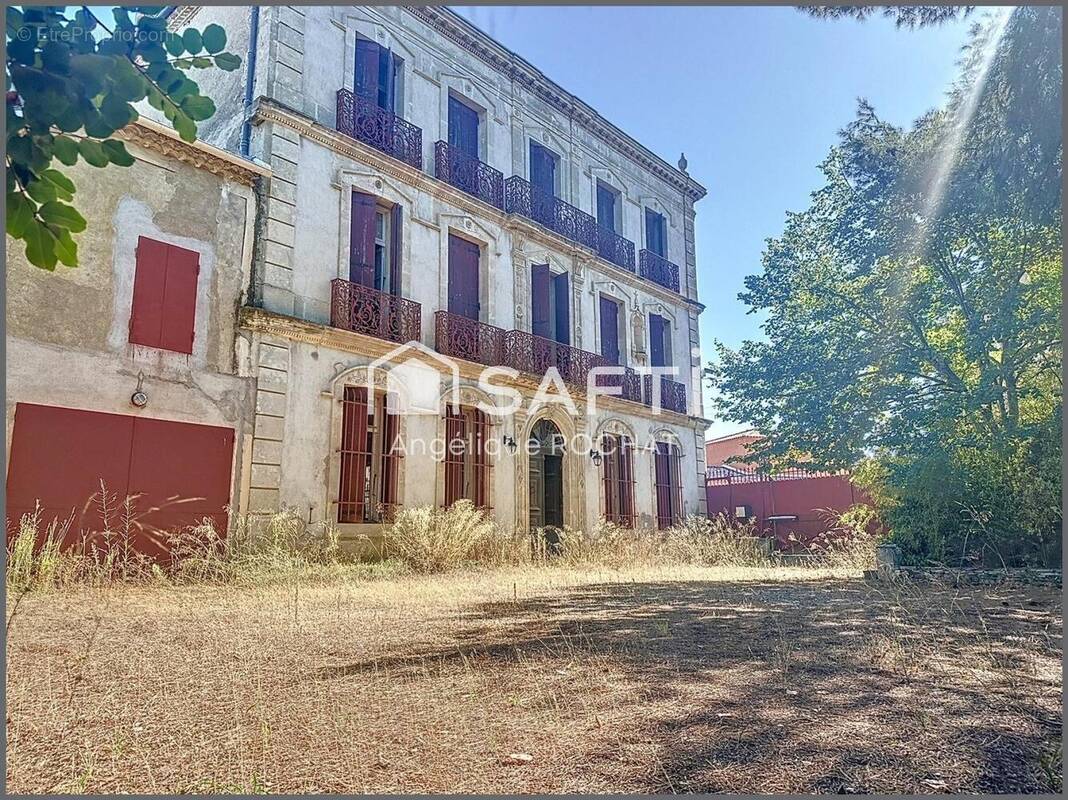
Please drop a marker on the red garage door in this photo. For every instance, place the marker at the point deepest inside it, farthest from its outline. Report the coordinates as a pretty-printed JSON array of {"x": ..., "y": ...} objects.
[{"x": 174, "y": 473}]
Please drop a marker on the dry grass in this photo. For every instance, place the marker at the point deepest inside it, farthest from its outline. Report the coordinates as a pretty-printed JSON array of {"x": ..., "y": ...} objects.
[{"x": 661, "y": 678}]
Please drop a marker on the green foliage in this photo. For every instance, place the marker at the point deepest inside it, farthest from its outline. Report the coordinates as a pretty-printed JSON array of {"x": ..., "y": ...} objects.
[
  {"x": 903, "y": 16},
  {"x": 913, "y": 311},
  {"x": 71, "y": 84}
]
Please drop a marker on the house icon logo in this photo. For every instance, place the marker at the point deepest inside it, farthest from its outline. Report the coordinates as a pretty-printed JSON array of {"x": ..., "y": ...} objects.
[{"x": 413, "y": 378}]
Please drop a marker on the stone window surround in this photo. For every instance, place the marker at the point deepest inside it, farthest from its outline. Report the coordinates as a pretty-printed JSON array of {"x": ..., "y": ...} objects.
[
  {"x": 354, "y": 376},
  {"x": 470, "y": 396}
]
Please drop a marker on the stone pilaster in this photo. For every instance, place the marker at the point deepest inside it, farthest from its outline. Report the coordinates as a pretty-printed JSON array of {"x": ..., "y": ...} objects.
[{"x": 271, "y": 365}]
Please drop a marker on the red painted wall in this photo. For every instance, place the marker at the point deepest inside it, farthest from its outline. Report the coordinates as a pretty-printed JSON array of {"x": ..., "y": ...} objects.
[{"x": 808, "y": 498}]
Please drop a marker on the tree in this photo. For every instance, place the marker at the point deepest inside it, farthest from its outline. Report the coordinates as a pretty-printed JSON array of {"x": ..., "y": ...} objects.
[
  {"x": 913, "y": 310},
  {"x": 71, "y": 84},
  {"x": 903, "y": 16}
]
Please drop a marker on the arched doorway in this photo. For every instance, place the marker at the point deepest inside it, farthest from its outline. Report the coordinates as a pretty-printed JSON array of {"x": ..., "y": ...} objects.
[{"x": 546, "y": 474}]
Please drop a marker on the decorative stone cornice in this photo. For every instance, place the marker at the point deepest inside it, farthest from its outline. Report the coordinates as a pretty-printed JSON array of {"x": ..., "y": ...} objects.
[
  {"x": 269, "y": 323},
  {"x": 160, "y": 139},
  {"x": 458, "y": 30},
  {"x": 270, "y": 110}
]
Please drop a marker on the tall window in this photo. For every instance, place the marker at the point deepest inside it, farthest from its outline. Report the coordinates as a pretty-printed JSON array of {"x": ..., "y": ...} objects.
[
  {"x": 375, "y": 243},
  {"x": 607, "y": 207},
  {"x": 618, "y": 460},
  {"x": 466, "y": 464},
  {"x": 378, "y": 74},
  {"x": 659, "y": 341},
  {"x": 463, "y": 127},
  {"x": 550, "y": 310},
  {"x": 543, "y": 164},
  {"x": 370, "y": 458},
  {"x": 610, "y": 321},
  {"x": 668, "y": 484},
  {"x": 655, "y": 233}
]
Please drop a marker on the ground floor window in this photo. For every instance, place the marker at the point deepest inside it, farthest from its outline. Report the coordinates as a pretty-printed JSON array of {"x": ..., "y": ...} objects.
[
  {"x": 668, "y": 480},
  {"x": 618, "y": 459},
  {"x": 466, "y": 465},
  {"x": 370, "y": 455}
]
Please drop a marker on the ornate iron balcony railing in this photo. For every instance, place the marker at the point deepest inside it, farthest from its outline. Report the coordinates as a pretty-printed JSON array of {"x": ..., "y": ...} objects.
[
  {"x": 469, "y": 339},
  {"x": 658, "y": 269},
  {"x": 468, "y": 174},
  {"x": 535, "y": 355},
  {"x": 365, "y": 310},
  {"x": 672, "y": 394},
  {"x": 613, "y": 247},
  {"x": 629, "y": 380},
  {"x": 552, "y": 212},
  {"x": 365, "y": 121}
]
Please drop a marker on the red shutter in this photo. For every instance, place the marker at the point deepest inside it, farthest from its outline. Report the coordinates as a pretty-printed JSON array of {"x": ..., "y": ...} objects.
[
  {"x": 463, "y": 277},
  {"x": 563, "y": 309},
  {"x": 362, "y": 239},
  {"x": 539, "y": 300},
  {"x": 663, "y": 486},
  {"x": 164, "y": 307},
  {"x": 391, "y": 455},
  {"x": 480, "y": 467},
  {"x": 656, "y": 341},
  {"x": 626, "y": 483},
  {"x": 611, "y": 507},
  {"x": 180, "y": 300},
  {"x": 150, "y": 280},
  {"x": 454, "y": 455},
  {"x": 354, "y": 455},
  {"x": 396, "y": 245},
  {"x": 609, "y": 330}
]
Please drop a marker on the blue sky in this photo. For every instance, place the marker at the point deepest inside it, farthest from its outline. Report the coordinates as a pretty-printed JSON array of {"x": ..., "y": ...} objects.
[{"x": 753, "y": 95}]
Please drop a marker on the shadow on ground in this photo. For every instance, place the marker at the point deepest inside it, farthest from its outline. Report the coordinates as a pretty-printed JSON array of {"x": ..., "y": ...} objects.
[{"x": 821, "y": 686}]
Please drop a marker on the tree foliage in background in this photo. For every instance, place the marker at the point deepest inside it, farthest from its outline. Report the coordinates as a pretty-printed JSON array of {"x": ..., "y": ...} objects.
[
  {"x": 71, "y": 84},
  {"x": 903, "y": 16},
  {"x": 913, "y": 310}
]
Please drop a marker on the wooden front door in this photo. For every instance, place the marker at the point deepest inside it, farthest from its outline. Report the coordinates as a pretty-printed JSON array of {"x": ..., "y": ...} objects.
[{"x": 546, "y": 477}]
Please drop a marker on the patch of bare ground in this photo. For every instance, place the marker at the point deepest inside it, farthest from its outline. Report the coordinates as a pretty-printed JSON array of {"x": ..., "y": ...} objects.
[{"x": 661, "y": 680}]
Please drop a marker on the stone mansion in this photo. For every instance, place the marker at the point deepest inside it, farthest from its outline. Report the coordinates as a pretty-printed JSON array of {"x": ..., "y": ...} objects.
[{"x": 402, "y": 178}]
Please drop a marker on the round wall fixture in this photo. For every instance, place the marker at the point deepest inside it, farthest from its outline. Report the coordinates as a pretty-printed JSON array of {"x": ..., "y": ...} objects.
[{"x": 139, "y": 398}]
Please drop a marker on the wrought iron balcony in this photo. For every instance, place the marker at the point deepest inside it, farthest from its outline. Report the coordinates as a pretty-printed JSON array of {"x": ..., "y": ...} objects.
[
  {"x": 548, "y": 210},
  {"x": 613, "y": 247},
  {"x": 658, "y": 269},
  {"x": 468, "y": 174},
  {"x": 469, "y": 339},
  {"x": 672, "y": 394},
  {"x": 364, "y": 121},
  {"x": 535, "y": 355},
  {"x": 628, "y": 380},
  {"x": 365, "y": 310}
]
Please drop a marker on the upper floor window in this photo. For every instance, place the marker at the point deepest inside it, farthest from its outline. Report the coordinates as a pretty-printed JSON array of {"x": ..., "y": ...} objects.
[
  {"x": 550, "y": 310},
  {"x": 466, "y": 461},
  {"x": 608, "y": 207},
  {"x": 463, "y": 286},
  {"x": 375, "y": 243},
  {"x": 378, "y": 74},
  {"x": 370, "y": 454},
  {"x": 659, "y": 341},
  {"x": 611, "y": 318},
  {"x": 163, "y": 312},
  {"x": 543, "y": 168},
  {"x": 463, "y": 127},
  {"x": 655, "y": 233}
]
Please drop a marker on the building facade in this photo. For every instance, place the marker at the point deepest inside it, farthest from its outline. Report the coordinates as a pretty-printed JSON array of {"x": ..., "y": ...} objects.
[
  {"x": 427, "y": 185},
  {"x": 122, "y": 380}
]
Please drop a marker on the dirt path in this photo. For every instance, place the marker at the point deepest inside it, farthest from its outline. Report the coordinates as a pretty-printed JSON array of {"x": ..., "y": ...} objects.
[{"x": 669, "y": 681}]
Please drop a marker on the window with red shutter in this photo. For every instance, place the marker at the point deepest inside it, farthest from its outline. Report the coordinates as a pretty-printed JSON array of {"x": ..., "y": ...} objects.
[
  {"x": 163, "y": 312},
  {"x": 466, "y": 464},
  {"x": 370, "y": 458},
  {"x": 668, "y": 479},
  {"x": 617, "y": 455}
]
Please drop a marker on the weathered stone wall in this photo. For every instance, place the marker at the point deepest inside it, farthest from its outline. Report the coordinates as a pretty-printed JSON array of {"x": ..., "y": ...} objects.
[{"x": 68, "y": 330}]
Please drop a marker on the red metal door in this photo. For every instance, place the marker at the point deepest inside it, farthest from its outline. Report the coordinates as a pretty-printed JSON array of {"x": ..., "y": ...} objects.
[{"x": 175, "y": 473}]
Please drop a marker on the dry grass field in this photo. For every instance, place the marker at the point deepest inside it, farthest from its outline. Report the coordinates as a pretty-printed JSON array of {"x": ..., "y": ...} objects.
[{"x": 538, "y": 680}]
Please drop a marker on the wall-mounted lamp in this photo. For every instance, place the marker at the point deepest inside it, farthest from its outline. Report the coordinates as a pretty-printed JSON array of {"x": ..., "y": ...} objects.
[
  {"x": 596, "y": 456},
  {"x": 509, "y": 442},
  {"x": 139, "y": 398}
]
